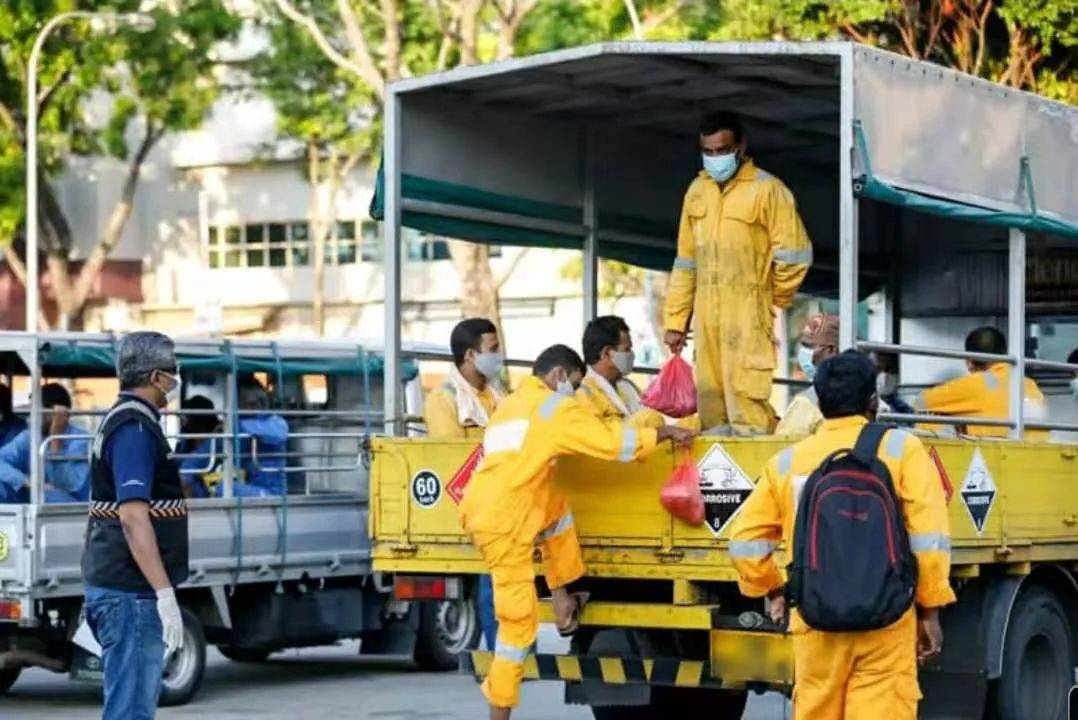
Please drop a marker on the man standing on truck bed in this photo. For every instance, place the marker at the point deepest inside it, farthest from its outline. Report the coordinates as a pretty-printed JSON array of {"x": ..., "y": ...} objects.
[
  {"x": 857, "y": 674},
  {"x": 741, "y": 251},
  {"x": 136, "y": 541},
  {"x": 511, "y": 505},
  {"x": 460, "y": 410}
]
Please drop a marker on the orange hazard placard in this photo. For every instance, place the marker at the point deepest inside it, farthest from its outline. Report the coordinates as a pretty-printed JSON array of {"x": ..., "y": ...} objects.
[
  {"x": 456, "y": 485},
  {"x": 945, "y": 481}
]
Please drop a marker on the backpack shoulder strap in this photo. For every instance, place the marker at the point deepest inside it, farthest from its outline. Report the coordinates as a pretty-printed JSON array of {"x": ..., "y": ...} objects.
[{"x": 867, "y": 447}]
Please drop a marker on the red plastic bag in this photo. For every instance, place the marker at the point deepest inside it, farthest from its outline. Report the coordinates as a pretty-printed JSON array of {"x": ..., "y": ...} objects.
[
  {"x": 681, "y": 494},
  {"x": 673, "y": 391}
]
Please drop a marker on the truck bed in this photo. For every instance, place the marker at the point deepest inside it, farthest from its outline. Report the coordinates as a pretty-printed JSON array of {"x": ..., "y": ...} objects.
[{"x": 1030, "y": 516}]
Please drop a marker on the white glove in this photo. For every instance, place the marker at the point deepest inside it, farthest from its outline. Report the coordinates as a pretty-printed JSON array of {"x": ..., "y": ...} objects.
[{"x": 171, "y": 619}]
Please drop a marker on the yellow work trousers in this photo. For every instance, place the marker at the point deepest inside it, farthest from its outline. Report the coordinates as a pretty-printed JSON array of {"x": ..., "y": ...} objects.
[
  {"x": 735, "y": 357},
  {"x": 857, "y": 675},
  {"x": 516, "y": 603}
]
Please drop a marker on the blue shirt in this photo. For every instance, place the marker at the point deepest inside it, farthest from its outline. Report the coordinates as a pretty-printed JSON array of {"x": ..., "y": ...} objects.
[
  {"x": 271, "y": 432},
  {"x": 10, "y": 428},
  {"x": 131, "y": 452},
  {"x": 70, "y": 477}
]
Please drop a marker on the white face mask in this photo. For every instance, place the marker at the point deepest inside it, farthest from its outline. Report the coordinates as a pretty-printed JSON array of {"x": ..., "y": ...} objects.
[
  {"x": 489, "y": 364},
  {"x": 564, "y": 387},
  {"x": 174, "y": 393},
  {"x": 624, "y": 360},
  {"x": 886, "y": 384}
]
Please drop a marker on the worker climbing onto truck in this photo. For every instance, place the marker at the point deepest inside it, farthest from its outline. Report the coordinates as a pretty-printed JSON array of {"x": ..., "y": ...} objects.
[
  {"x": 819, "y": 341},
  {"x": 461, "y": 408},
  {"x": 511, "y": 505},
  {"x": 985, "y": 391},
  {"x": 854, "y": 674},
  {"x": 606, "y": 388},
  {"x": 741, "y": 251}
]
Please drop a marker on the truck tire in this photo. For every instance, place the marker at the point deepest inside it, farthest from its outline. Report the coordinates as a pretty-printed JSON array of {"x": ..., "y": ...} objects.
[
  {"x": 1038, "y": 660},
  {"x": 184, "y": 670},
  {"x": 446, "y": 629},
  {"x": 8, "y": 676},
  {"x": 244, "y": 655}
]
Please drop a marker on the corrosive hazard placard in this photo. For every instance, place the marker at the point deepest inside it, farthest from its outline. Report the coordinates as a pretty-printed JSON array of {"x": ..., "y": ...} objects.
[
  {"x": 456, "y": 485},
  {"x": 725, "y": 487},
  {"x": 978, "y": 491}
]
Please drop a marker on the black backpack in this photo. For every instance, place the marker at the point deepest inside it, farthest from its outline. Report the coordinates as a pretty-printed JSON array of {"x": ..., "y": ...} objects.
[{"x": 852, "y": 566}]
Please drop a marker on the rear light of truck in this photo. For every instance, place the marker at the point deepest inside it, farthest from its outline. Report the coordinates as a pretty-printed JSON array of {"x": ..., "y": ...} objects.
[
  {"x": 10, "y": 610},
  {"x": 418, "y": 587}
]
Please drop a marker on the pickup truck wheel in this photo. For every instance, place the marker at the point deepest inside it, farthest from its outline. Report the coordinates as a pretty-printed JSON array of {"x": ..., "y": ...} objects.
[
  {"x": 244, "y": 655},
  {"x": 8, "y": 676},
  {"x": 185, "y": 668},
  {"x": 446, "y": 629},
  {"x": 1038, "y": 661}
]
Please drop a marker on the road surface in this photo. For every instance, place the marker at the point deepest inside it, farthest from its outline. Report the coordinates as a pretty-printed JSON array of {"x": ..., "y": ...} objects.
[{"x": 330, "y": 682}]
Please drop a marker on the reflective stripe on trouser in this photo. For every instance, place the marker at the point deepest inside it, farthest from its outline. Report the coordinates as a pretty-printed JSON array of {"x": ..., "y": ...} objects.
[
  {"x": 731, "y": 389},
  {"x": 516, "y": 604},
  {"x": 857, "y": 675}
]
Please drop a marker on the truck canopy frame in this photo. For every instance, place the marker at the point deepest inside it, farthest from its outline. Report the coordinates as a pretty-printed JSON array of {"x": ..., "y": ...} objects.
[{"x": 593, "y": 147}]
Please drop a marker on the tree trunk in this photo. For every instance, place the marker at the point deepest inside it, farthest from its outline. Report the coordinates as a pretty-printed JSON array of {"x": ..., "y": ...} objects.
[
  {"x": 478, "y": 288},
  {"x": 317, "y": 237}
]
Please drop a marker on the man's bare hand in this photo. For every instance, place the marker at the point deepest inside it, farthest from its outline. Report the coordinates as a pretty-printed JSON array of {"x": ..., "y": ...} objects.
[
  {"x": 58, "y": 420},
  {"x": 929, "y": 635},
  {"x": 680, "y": 436},
  {"x": 675, "y": 341},
  {"x": 776, "y": 606}
]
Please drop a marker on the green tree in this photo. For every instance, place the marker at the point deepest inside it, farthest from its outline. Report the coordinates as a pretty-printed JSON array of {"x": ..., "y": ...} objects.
[{"x": 157, "y": 81}]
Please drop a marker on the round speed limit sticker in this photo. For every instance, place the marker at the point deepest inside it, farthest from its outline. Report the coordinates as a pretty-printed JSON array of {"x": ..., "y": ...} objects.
[{"x": 426, "y": 489}]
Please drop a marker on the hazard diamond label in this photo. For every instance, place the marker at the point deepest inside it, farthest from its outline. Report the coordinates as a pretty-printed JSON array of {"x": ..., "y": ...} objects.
[
  {"x": 978, "y": 491},
  {"x": 725, "y": 487},
  {"x": 456, "y": 485}
]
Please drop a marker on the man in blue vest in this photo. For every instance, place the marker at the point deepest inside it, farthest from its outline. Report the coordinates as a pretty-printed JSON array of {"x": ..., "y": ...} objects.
[{"x": 136, "y": 539}]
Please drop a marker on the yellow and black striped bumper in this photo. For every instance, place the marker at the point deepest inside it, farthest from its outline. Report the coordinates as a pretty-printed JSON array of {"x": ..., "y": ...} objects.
[{"x": 611, "y": 670}]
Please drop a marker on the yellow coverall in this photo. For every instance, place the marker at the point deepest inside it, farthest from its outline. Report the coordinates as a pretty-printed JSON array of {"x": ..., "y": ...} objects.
[
  {"x": 440, "y": 414},
  {"x": 511, "y": 505},
  {"x": 849, "y": 675},
  {"x": 742, "y": 250},
  {"x": 803, "y": 415},
  {"x": 596, "y": 399},
  {"x": 985, "y": 394}
]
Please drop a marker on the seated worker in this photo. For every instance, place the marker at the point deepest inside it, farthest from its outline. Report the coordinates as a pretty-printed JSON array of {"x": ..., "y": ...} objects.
[
  {"x": 67, "y": 461},
  {"x": 862, "y": 674},
  {"x": 607, "y": 389},
  {"x": 461, "y": 407},
  {"x": 819, "y": 341},
  {"x": 511, "y": 505},
  {"x": 985, "y": 392},
  {"x": 10, "y": 423},
  {"x": 197, "y": 474},
  {"x": 261, "y": 463}
]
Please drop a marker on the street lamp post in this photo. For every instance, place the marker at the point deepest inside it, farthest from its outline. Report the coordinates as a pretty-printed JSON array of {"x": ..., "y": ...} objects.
[{"x": 105, "y": 21}]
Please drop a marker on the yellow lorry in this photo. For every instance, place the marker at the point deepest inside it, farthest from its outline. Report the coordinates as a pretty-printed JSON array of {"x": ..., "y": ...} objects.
[{"x": 885, "y": 157}]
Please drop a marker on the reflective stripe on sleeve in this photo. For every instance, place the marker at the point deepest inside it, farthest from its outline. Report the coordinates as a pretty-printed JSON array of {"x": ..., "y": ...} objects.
[
  {"x": 930, "y": 542},
  {"x": 505, "y": 437},
  {"x": 750, "y": 549},
  {"x": 896, "y": 443},
  {"x": 550, "y": 405},
  {"x": 794, "y": 257},
  {"x": 681, "y": 263},
  {"x": 786, "y": 460},
  {"x": 628, "y": 445}
]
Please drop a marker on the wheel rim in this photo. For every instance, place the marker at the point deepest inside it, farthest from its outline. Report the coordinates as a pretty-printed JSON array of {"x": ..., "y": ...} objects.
[
  {"x": 180, "y": 666},
  {"x": 457, "y": 622},
  {"x": 1041, "y": 675}
]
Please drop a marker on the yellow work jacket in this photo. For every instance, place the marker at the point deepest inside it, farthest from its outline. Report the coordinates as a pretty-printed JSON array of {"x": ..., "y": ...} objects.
[
  {"x": 595, "y": 397},
  {"x": 744, "y": 238},
  {"x": 512, "y": 488},
  {"x": 803, "y": 415},
  {"x": 767, "y": 517},
  {"x": 985, "y": 394},
  {"x": 442, "y": 419}
]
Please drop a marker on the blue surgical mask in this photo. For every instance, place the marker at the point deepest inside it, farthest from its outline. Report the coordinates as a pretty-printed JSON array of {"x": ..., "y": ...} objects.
[
  {"x": 721, "y": 167},
  {"x": 489, "y": 364},
  {"x": 804, "y": 359}
]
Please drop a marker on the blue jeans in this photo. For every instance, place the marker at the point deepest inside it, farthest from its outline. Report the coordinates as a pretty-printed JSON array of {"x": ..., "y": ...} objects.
[
  {"x": 128, "y": 628},
  {"x": 487, "y": 620}
]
